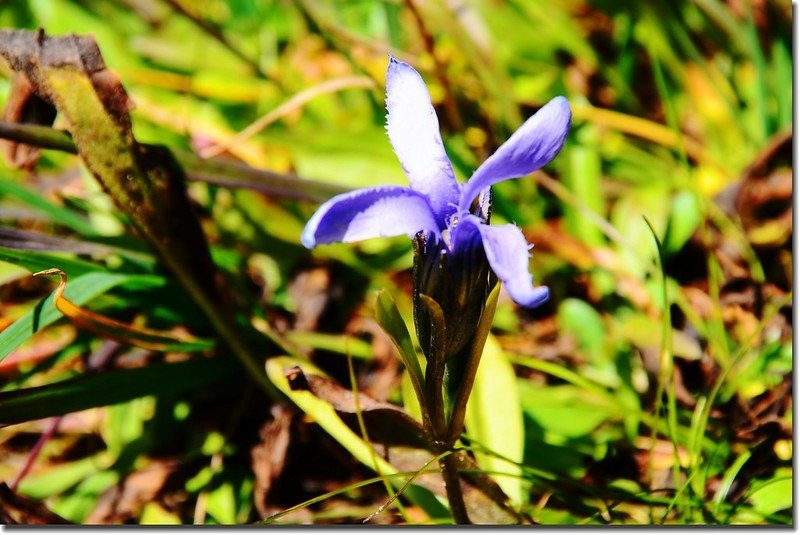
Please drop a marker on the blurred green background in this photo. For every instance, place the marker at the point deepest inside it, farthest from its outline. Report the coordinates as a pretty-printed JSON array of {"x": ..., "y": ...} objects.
[{"x": 654, "y": 386}]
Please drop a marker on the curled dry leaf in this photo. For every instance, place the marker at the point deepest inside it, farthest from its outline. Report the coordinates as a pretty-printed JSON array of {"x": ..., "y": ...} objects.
[
  {"x": 145, "y": 182},
  {"x": 117, "y": 330},
  {"x": 386, "y": 423}
]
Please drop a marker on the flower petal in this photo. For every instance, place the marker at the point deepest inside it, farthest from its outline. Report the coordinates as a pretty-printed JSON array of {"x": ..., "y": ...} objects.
[
  {"x": 531, "y": 147},
  {"x": 414, "y": 132},
  {"x": 370, "y": 213},
  {"x": 507, "y": 252}
]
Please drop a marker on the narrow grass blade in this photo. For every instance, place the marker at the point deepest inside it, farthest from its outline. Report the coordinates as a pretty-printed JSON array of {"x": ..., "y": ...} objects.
[
  {"x": 109, "y": 388},
  {"x": 40, "y": 260},
  {"x": 54, "y": 213}
]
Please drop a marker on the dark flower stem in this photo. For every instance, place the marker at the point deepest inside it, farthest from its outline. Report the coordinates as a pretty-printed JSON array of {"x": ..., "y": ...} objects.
[
  {"x": 455, "y": 423},
  {"x": 452, "y": 483}
]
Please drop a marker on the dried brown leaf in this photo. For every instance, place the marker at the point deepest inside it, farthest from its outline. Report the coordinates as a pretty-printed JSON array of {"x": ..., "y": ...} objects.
[
  {"x": 386, "y": 423},
  {"x": 269, "y": 456}
]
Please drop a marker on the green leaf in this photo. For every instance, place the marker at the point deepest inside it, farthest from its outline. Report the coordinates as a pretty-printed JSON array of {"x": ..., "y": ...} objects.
[
  {"x": 345, "y": 345},
  {"x": 9, "y": 272},
  {"x": 109, "y": 388},
  {"x": 684, "y": 218},
  {"x": 410, "y": 400},
  {"x": 79, "y": 504},
  {"x": 81, "y": 290},
  {"x": 728, "y": 479},
  {"x": 154, "y": 514},
  {"x": 200, "y": 480},
  {"x": 582, "y": 321},
  {"x": 494, "y": 418},
  {"x": 39, "y": 261},
  {"x": 564, "y": 410},
  {"x": 221, "y": 503},
  {"x": 60, "y": 478},
  {"x": 644, "y": 331},
  {"x": 584, "y": 181},
  {"x": 124, "y": 423},
  {"x": 773, "y": 495},
  {"x": 388, "y": 317}
]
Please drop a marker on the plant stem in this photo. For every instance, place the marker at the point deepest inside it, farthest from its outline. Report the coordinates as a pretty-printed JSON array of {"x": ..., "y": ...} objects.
[
  {"x": 96, "y": 362},
  {"x": 38, "y": 136},
  {"x": 452, "y": 483},
  {"x": 225, "y": 173}
]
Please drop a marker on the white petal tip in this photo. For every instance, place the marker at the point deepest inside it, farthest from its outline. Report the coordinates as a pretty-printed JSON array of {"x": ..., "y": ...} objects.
[{"x": 307, "y": 239}]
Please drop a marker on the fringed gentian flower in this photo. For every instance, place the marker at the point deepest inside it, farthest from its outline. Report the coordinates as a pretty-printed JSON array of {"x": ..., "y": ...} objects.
[
  {"x": 436, "y": 205},
  {"x": 458, "y": 256}
]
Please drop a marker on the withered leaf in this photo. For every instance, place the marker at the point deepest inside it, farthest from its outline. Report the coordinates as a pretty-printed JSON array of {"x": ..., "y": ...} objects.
[
  {"x": 386, "y": 423},
  {"x": 144, "y": 182},
  {"x": 269, "y": 456},
  {"x": 116, "y": 330},
  {"x": 133, "y": 492}
]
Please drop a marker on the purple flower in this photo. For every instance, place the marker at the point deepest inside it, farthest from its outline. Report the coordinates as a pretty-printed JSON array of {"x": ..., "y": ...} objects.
[{"x": 436, "y": 204}]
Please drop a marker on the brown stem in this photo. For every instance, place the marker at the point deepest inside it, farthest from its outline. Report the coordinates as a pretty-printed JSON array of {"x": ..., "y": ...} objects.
[
  {"x": 34, "y": 454},
  {"x": 452, "y": 483},
  {"x": 221, "y": 172}
]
